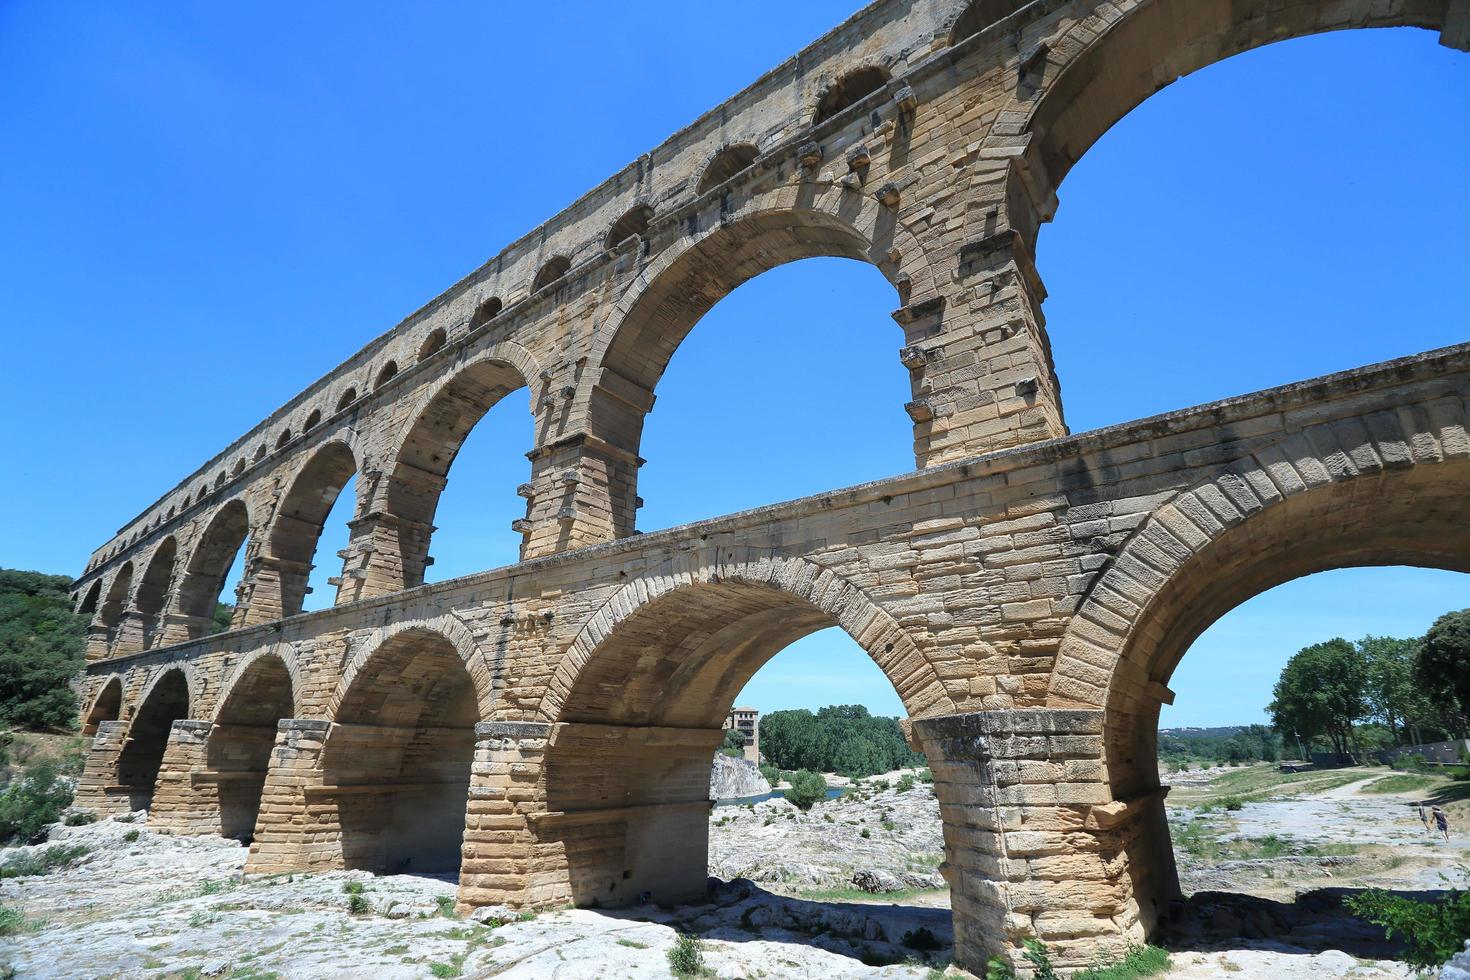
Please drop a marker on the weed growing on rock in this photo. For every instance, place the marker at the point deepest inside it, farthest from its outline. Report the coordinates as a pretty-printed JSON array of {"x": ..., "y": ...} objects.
[
  {"x": 357, "y": 903},
  {"x": 1141, "y": 961},
  {"x": 686, "y": 958},
  {"x": 905, "y": 782},
  {"x": 11, "y": 920},
  {"x": 446, "y": 906},
  {"x": 864, "y": 834},
  {"x": 631, "y": 944},
  {"x": 131, "y": 837},
  {"x": 78, "y": 818}
]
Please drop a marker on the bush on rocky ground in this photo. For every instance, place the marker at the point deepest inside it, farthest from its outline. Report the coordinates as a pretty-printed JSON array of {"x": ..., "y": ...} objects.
[
  {"x": 1433, "y": 930},
  {"x": 31, "y": 802},
  {"x": 807, "y": 788}
]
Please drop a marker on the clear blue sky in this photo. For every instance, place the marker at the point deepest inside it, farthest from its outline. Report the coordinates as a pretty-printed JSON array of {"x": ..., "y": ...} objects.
[{"x": 207, "y": 206}]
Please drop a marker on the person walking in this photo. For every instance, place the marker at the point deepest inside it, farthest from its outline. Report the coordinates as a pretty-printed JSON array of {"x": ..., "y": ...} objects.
[
  {"x": 1441, "y": 822},
  {"x": 1424, "y": 816}
]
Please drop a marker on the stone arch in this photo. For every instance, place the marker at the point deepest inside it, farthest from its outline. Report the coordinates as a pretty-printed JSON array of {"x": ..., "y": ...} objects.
[
  {"x": 980, "y": 14},
  {"x": 164, "y": 700},
  {"x": 398, "y": 756},
  {"x": 385, "y": 375},
  {"x": 106, "y": 706},
  {"x": 637, "y": 704},
  {"x": 639, "y": 335},
  {"x": 433, "y": 343},
  {"x": 208, "y": 564},
  {"x": 726, "y": 163},
  {"x": 348, "y": 397},
  {"x": 444, "y": 626},
  {"x": 1387, "y": 489},
  {"x": 91, "y": 598},
  {"x": 153, "y": 589},
  {"x": 119, "y": 592},
  {"x": 816, "y": 597},
  {"x": 551, "y": 270},
  {"x": 633, "y": 224},
  {"x": 848, "y": 89},
  {"x": 485, "y": 312},
  {"x": 1104, "y": 66},
  {"x": 442, "y": 421},
  {"x": 261, "y": 690},
  {"x": 290, "y": 547}
]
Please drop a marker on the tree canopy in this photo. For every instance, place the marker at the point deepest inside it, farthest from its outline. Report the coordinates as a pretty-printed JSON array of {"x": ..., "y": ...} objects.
[
  {"x": 844, "y": 739},
  {"x": 42, "y": 645},
  {"x": 1442, "y": 666}
]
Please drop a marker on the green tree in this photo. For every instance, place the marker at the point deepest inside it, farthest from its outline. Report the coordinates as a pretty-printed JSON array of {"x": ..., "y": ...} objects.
[
  {"x": 1391, "y": 691},
  {"x": 807, "y": 788},
  {"x": 41, "y": 650},
  {"x": 1321, "y": 693},
  {"x": 1442, "y": 667},
  {"x": 844, "y": 739},
  {"x": 222, "y": 615},
  {"x": 734, "y": 744}
]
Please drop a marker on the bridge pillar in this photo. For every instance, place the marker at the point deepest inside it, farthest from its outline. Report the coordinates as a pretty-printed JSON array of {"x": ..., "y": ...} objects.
[
  {"x": 583, "y": 491},
  {"x": 1033, "y": 838},
  {"x": 97, "y": 642},
  {"x": 293, "y": 833},
  {"x": 276, "y": 586},
  {"x": 387, "y": 553},
  {"x": 130, "y": 634},
  {"x": 97, "y": 788},
  {"x": 183, "y": 801},
  {"x": 505, "y": 862}
]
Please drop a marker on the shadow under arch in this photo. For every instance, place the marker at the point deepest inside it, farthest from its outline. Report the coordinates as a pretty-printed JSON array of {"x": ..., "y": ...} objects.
[
  {"x": 243, "y": 733},
  {"x": 421, "y": 463},
  {"x": 107, "y": 706},
  {"x": 1193, "y": 563},
  {"x": 398, "y": 755},
  {"x": 158, "y": 576},
  {"x": 162, "y": 704},
  {"x": 638, "y": 708}
]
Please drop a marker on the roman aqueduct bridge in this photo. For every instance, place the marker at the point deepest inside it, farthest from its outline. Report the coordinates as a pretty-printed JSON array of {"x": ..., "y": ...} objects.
[{"x": 546, "y": 728}]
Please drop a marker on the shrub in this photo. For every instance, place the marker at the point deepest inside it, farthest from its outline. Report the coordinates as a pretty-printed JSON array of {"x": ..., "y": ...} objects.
[
  {"x": 905, "y": 782},
  {"x": 806, "y": 789},
  {"x": 79, "y": 817},
  {"x": 770, "y": 774},
  {"x": 1141, "y": 961},
  {"x": 865, "y": 833},
  {"x": 1233, "y": 803},
  {"x": 686, "y": 958},
  {"x": 357, "y": 903},
  {"x": 1432, "y": 930},
  {"x": 1035, "y": 953},
  {"x": 44, "y": 862},
  {"x": 130, "y": 836},
  {"x": 31, "y": 802}
]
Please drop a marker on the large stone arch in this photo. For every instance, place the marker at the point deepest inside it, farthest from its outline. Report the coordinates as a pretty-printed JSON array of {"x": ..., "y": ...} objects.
[
  {"x": 1382, "y": 490},
  {"x": 634, "y": 712},
  {"x": 420, "y": 623},
  {"x": 397, "y": 758},
  {"x": 390, "y": 541},
  {"x": 106, "y": 705},
  {"x": 258, "y": 693},
  {"x": 286, "y": 559},
  {"x": 165, "y": 698},
  {"x": 209, "y": 561},
  {"x": 1104, "y": 65},
  {"x": 154, "y": 587},
  {"x": 828, "y": 597},
  {"x": 638, "y": 335}
]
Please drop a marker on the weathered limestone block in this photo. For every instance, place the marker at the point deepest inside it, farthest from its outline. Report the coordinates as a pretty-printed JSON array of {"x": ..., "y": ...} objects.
[
  {"x": 295, "y": 832},
  {"x": 97, "y": 788},
  {"x": 185, "y": 801}
]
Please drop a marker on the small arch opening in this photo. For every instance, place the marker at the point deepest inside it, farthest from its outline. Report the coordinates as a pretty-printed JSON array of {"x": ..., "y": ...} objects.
[
  {"x": 633, "y": 224},
  {"x": 980, "y": 15},
  {"x": 433, "y": 343},
  {"x": 348, "y": 397},
  {"x": 850, "y": 89},
  {"x": 554, "y": 269},
  {"x": 237, "y": 470},
  {"x": 485, "y": 312},
  {"x": 312, "y": 420},
  {"x": 726, "y": 164},
  {"x": 283, "y": 438},
  {"x": 384, "y": 376},
  {"x": 260, "y": 452},
  {"x": 107, "y": 707}
]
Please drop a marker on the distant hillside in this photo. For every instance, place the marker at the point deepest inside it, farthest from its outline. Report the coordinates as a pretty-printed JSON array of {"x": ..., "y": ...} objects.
[
  {"x": 1223, "y": 744},
  {"x": 1224, "y": 731},
  {"x": 41, "y": 650}
]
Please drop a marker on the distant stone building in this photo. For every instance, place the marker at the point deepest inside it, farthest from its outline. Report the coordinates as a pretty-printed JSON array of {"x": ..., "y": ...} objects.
[{"x": 746, "y": 721}]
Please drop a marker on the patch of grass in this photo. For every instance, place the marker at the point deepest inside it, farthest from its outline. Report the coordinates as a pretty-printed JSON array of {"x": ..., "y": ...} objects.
[
  {"x": 44, "y": 862},
  {"x": 12, "y": 921},
  {"x": 78, "y": 818},
  {"x": 444, "y": 969},
  {"x": 632, "y": 944},
  {"x": 131, "y": 836},
  {"x": 398, "y": 950},
  {"x": 1402, "y": 783},
  {"x": 1141, "y": 961},
  {"x": 446, "y": 906}
]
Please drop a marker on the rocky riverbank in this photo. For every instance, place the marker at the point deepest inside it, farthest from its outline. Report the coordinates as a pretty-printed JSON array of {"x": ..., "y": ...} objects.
[{"x": 734, "y": 779}]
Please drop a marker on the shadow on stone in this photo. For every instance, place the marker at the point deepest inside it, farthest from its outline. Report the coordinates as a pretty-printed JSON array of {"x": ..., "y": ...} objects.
[{"x": 1316, "y": 922}]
